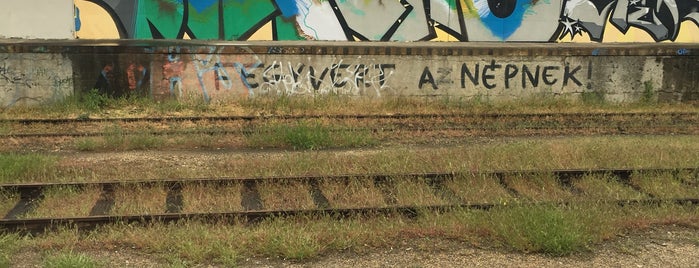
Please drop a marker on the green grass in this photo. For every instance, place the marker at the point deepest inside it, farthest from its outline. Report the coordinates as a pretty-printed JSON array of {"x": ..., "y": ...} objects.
[
  {"x": 90, "y": 104},
  {"x": 116, "y": 139},
  {"x": 70, "y": 260},
  {"x": 9, "y": 245},
  {"x": 306, "y": 135},
  {"x": 545, "y": 229},
  {"x": 15, "y": 167}
]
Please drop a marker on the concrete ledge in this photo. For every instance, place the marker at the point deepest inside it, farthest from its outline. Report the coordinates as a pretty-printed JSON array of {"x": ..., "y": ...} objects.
[
  {"x": 33, "y": 72},
  {"x": 350, "y": 48}
]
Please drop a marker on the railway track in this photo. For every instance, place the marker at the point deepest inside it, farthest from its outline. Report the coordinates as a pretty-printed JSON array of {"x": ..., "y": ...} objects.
[
  {"x": 251, "y": 199},
  {"x": 387, "y": 125}
]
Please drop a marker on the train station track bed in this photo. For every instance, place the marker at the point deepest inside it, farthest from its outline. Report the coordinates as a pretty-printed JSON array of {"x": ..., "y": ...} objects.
[{"x": 281, "y": 183}]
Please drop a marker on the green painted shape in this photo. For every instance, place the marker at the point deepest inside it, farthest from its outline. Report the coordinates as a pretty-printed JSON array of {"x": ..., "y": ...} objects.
[
  {"x": 239, "y": 17},
  {"x": 204, "y": 25},
  {"x": 286, "y": 29},
  {"x": 165, "y": 15},
  {"x": 467, "y": 5},
  {"x": 452, "y": 4}
]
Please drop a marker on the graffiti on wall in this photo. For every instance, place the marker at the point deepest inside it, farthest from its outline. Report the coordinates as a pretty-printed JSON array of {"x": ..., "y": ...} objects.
[
  {"x": 32, "y": 84},
  {"x": 506, "y": 75},
  {"x": 390, "y": 20},
  {"x": 209, "y": 73}
]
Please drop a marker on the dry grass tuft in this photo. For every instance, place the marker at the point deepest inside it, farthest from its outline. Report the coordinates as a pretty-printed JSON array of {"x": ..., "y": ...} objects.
[
  {"x": 7, "y": 201},
  {"x": 293, "y": 195},
  {"x": 664, "y": 185},
  {"x": 539, "y": 187},
  {"x": 410, "y": 192},
  {"x": 605, "y": 187},
  {"x": 66, "y": 202},
  {"x": 205, "y": 198},
  {"x": 478, "y": 189},
  {"x": 139, "y": 200},
  {"x": 354, "y": 193}
]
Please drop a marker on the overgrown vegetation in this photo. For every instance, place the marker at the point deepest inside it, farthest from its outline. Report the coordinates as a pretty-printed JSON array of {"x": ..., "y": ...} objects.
[
  {"x": 547, "y": 229},
  {"x": 25, "y": 167},
  {"x": 475, "y": 155},
  {"x": 9, "y": 245},
  {"x": 116, "y": 139},
  {"x": 593, "y": 98},
  {"x": 94, "y": 104},
  {"x": 307, "y": 135},
  {"x": 648, "y": 96}
]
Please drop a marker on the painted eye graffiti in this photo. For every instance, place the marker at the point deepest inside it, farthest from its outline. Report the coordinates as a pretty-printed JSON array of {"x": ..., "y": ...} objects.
[
  {"x": 502, "y": 18},
  {"x": 502, "y": 8}
]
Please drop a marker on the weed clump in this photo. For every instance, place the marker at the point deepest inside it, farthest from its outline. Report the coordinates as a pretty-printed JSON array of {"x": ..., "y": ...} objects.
[
  {"x": 542, "y": 229},
  {"x": 70, "y": 259}
]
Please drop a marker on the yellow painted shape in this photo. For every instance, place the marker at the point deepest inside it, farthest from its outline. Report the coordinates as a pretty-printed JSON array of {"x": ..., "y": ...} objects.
[
  {"x": 263, "y": 34},
  {"x": 443, "y": 36},
  {"x": 95, "y": 22},
  {"x": 689, "y": 33}
]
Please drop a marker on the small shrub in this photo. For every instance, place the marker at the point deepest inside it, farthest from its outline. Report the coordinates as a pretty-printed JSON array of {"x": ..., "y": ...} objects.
[
  {"x": 93, "y": 101},
  {"x": 86, "y": 144},
  {"x": 648, "y": 95}
]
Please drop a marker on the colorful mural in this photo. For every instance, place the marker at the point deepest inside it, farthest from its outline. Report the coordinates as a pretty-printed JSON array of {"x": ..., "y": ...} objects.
[{"x": 392, "y": 20}]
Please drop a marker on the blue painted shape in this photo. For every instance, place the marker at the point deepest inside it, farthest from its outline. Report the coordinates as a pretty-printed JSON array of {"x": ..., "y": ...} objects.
[
  {"x": 504, "y": 27},
  {"x": 288, "y": 7},
  {"x": 200, "y": 5},
  {"x": 78, "y": 24}
]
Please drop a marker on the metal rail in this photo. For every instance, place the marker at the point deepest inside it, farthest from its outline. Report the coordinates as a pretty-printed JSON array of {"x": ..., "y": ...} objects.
[
  {"x": 339, "y": 116},
  {"x": 680, "y": 123},
  {"x": 31, "y": 195},
  {"x": 91, "y": 222}
]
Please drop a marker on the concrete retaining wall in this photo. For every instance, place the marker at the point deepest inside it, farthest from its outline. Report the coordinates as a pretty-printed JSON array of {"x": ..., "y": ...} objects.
[
  {"x": 37, "y": 19},
  {"x": 34, "y": 78},
  {"x": 225, "y": 71}
]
